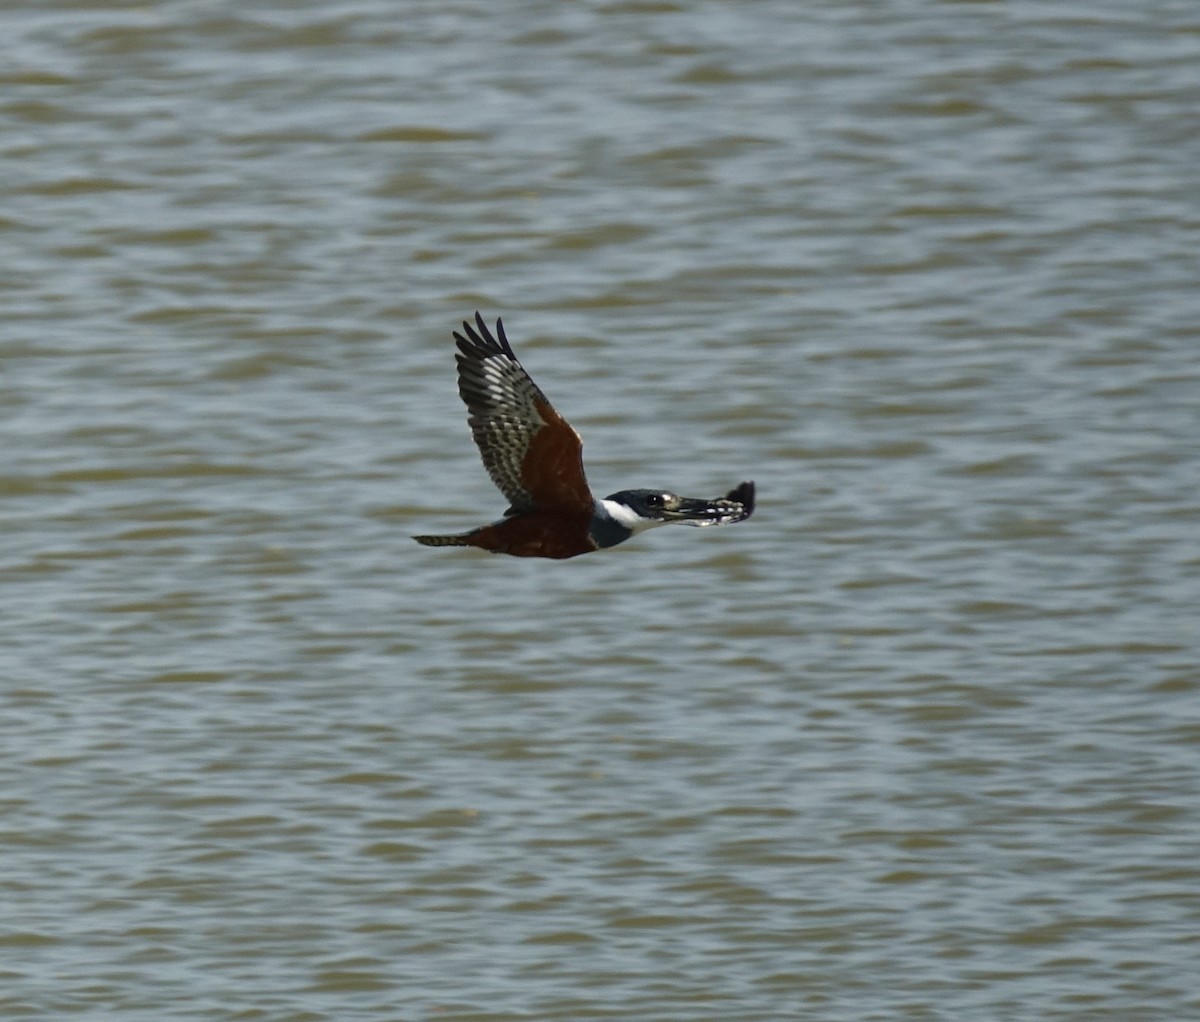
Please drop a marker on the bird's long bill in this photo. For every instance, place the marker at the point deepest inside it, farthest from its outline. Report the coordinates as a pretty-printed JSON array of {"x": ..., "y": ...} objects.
[{"x": 736, "y": 506}]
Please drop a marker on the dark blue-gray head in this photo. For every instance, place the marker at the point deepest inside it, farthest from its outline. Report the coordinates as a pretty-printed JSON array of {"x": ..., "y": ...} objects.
[{"x": 628, "y": 512}]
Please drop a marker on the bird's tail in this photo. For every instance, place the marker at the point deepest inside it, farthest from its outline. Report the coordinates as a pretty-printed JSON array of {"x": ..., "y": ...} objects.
[{"x": 444, "y": 540}]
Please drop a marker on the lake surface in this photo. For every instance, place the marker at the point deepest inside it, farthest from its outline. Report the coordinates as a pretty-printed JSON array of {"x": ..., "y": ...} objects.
[{"x": 919, "y": 741}]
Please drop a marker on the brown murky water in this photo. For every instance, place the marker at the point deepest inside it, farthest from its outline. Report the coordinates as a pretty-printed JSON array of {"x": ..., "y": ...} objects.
[{"x": 919, "y": 741}]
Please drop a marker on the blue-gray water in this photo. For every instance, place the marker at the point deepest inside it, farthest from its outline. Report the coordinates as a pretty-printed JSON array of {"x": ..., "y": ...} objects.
[{"x": 919, "y": 741}]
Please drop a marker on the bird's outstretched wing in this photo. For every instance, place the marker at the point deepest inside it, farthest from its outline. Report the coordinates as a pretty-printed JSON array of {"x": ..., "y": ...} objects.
[{"x": 530, "y": 451}]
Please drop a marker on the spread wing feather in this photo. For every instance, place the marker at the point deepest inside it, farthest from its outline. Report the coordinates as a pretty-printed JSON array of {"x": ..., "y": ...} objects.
[{"x": 511, "y": 419}]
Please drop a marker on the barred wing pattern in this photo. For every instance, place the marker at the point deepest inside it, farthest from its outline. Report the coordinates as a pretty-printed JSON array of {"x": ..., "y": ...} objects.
[{"x": 531, "y": 452}]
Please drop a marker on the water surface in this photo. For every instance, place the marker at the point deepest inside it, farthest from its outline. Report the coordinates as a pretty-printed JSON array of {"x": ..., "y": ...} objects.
[{"x": 919, "y": 741}]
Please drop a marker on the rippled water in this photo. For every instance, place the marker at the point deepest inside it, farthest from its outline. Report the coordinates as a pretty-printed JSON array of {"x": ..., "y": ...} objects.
[{"x": 919, "y": 741}]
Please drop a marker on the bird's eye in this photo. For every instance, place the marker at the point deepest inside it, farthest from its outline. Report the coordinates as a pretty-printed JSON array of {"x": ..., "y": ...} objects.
[{"x": 654, "y": 500}]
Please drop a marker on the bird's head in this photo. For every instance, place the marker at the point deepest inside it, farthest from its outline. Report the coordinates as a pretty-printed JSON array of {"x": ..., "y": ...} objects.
[{"x": 644, "y": 509}]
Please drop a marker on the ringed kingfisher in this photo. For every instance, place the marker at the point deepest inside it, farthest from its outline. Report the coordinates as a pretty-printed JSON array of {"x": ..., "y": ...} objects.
[{"x": 535, "y": 459}]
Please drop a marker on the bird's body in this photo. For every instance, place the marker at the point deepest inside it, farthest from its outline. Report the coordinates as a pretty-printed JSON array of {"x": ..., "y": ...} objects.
[
  {"x": 535, "y": 458},
  {"x": 534, "y": 534}
]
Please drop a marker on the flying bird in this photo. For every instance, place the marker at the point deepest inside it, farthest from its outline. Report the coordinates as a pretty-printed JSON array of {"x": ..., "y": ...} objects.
[{"x": 535, "y": 459}]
